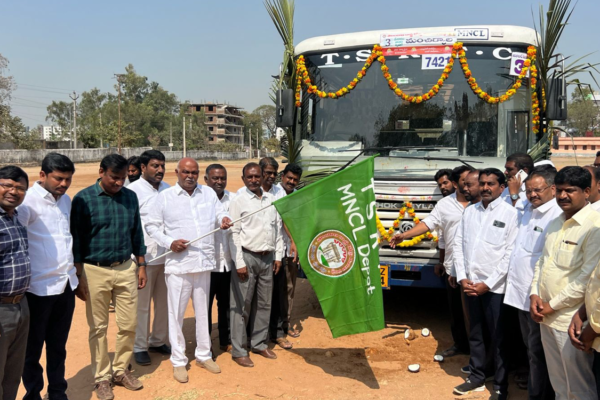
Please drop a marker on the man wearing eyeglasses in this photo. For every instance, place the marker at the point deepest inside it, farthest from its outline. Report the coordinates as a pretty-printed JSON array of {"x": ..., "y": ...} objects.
[
  {"x": 540, "y": 210},
  {"x": 15, "y": 276}
]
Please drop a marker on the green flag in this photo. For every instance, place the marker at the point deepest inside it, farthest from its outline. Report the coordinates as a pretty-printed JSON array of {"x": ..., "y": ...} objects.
[{"x": 333, "y": 225}]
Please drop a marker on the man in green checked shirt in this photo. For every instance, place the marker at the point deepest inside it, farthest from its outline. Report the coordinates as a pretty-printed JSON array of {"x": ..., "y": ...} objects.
[{"x": 107, "y": 230}]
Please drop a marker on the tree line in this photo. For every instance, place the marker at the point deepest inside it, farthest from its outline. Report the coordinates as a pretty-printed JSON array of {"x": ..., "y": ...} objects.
[{"x": 150, "y": 116}]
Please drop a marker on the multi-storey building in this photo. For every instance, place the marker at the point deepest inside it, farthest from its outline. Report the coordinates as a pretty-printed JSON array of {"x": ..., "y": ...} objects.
[
  {"x": 52, "y": 132},
  {"x": 225, "y": 123}
]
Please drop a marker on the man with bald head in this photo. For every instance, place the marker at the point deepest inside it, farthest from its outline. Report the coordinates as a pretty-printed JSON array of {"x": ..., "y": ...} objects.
[{"x": 180, "y": 214}]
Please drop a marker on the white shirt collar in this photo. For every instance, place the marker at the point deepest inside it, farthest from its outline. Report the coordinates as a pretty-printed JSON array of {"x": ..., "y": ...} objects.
[
  {"x": 181, "y": 190},
  {"x": 43, "y": 193}
]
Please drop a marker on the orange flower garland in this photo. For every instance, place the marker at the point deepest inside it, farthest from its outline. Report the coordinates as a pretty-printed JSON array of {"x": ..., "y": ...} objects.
[
  {"x": 303, "y": 78},
  {"x": 387, "y": 235}
]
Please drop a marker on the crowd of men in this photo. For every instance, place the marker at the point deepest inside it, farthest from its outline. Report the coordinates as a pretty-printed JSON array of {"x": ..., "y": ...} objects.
[
  {"x": 132, "y": 248},
  {"x": 520, "y": 250}
]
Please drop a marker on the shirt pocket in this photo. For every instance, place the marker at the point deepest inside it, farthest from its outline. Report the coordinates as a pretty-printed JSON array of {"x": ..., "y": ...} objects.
[
  {"x": 566, "y": 255},
  {"x": 494, "y": 235},
  {"x": 534, "y": 242}
]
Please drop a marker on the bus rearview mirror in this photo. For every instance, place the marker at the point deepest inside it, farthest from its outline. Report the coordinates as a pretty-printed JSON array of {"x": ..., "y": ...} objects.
[
  {"x": 556, "y": 100},
  {"x": 286, "y": 108}
]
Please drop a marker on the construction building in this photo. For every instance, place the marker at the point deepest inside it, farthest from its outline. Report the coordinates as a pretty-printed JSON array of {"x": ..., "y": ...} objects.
[{"x": 225, "y": 123}]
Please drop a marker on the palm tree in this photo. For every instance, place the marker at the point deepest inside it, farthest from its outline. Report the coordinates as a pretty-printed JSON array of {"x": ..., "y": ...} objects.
[
  {"x": 282, "y": 14},
  {"x": 551, "y": 27}
]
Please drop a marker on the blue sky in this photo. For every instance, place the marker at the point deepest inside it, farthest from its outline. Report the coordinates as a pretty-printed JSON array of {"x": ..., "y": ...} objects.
[{"x": 215, "y": 50}]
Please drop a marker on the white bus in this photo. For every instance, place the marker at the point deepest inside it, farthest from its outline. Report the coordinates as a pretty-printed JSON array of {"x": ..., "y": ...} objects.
[{"x": 415, "y": 140}]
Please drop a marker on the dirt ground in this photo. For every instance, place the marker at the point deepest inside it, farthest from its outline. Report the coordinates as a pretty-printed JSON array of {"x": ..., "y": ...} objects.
[{"x": 367, "y": 366}]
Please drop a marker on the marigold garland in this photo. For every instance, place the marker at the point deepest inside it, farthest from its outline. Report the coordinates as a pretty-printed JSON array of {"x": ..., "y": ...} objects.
[
  {"x": 303, "y": 78},
  {"x": 387, "y": 234}
]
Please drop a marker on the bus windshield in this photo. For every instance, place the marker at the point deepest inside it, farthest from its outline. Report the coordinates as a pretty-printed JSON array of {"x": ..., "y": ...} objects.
[{"x": 455, "y": 122}]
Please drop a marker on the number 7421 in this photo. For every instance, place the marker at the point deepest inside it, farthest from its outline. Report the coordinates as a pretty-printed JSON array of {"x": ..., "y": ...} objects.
[{"x": 436, "y": 61}]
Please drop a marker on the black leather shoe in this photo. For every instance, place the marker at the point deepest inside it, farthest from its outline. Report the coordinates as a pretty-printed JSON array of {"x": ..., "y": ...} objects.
[
  {"x": 142, "y": 358},
  {"x": 164, "y": 349}
]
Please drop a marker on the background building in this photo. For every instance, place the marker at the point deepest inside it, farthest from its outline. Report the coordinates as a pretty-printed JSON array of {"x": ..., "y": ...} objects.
[
  {"x": 224, "y": 122},
  {"x": 51, "y": 132}
]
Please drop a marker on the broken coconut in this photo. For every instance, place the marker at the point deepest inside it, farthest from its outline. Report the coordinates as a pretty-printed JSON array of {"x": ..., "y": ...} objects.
[
  {"x": 409, "y": 334},
  {"x": 329, "y": 353},
  {"x": 438, "y": 358},
  {"x": 425, "y": 332},
  {"x": 414, "y": 368}
]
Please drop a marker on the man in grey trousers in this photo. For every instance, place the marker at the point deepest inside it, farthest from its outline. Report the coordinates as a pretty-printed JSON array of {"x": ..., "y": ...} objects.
[
  {"x": 15, "y": 276},
  {"x": 257, "y": 244}
]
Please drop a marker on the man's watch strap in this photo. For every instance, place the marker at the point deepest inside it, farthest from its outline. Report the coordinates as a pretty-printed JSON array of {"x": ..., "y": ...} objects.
[
  {"x": 143, "y": 264},
  {"x": 514, "y": 197}
]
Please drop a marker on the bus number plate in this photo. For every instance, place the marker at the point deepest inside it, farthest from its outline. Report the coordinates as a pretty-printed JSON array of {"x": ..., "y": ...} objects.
[
  {"x": 383, "y": 272},
  {"x": 434, "y": 61}
]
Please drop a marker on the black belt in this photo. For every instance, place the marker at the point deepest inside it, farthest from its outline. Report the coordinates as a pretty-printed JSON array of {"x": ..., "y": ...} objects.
[
  {"x": 11, "y": 299},
  {"x": 258, "y": 253},
  {"x": 107, "y": 263}
]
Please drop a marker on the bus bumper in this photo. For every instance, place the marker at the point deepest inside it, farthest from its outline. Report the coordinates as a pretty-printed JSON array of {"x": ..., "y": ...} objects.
[{"x": 413, "y": 275}]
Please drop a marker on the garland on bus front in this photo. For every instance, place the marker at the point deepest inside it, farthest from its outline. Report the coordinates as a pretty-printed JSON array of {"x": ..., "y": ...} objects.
[
  {"x": 303, "y": 78},
  {"x": 387, "y": 234}
]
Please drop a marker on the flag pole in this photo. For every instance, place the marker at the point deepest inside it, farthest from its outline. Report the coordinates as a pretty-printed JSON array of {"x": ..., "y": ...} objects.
[{"x": 211, "y": 232}]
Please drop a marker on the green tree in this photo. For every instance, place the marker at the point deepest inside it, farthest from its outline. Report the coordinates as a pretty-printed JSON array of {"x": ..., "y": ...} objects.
[
  {"x": 583, "y": 112},
  {"x": 60, "y": 114},
  {"x": 266, "y": 114},
  {"x": 252, "y": 125}
]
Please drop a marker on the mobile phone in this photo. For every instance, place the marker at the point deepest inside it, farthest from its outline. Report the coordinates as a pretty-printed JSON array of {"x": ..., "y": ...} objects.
[{"x": 522, "y": 175}]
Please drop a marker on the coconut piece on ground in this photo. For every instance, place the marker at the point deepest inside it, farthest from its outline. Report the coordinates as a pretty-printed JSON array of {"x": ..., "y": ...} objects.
[
  {"x": 409, "y": 334},
  {"x": 425, "y": 332},
  {"x": 438, "y": 358},
  {"x": 414, "y": 368}
]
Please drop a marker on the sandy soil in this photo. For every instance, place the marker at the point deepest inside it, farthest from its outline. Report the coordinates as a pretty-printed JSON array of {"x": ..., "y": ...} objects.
[{"x": 368, "y": 366}]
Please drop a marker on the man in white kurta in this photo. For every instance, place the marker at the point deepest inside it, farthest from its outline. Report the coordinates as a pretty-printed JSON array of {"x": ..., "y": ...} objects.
[
  {"x": 180, "y": 214},
  {"x": 147, "y": 188}
]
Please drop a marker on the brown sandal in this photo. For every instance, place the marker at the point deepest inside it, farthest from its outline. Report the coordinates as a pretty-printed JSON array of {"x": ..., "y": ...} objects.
[
  {"x": 293, "y": 333},
  {"x": 283, "y": 343}
]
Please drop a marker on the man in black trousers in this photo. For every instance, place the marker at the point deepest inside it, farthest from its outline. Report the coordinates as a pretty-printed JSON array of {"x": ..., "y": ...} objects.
[
  {"x": 45, "y": 213},
  {"x": 220, "y": 279}
]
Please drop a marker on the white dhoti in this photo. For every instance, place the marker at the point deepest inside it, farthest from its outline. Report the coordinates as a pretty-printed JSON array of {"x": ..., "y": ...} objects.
[
  {"x": 182, "y": 287},
  {"x": 155, "y": 292}
]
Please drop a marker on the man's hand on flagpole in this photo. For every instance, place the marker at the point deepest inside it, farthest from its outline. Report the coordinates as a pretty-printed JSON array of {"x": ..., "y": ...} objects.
[
  {"x": 226, "y": 223},
  {"x": 179, "y": 245},
  {"x": 243, "y": 274},
  {"x": 276, "y": 266},
  {"x": 294, "y": 251}
]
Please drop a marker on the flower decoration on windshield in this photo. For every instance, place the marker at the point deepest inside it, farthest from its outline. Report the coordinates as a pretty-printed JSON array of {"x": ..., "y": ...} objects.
[
  {"x": 458, "y": 52},
  {"x": 387, "y": 234}
]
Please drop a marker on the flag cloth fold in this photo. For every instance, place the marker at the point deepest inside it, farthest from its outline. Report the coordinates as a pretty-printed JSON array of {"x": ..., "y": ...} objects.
[{"x": 333, "y": 225}]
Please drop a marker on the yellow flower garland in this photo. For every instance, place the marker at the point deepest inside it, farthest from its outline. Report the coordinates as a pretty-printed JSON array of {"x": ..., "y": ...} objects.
[
  {"x": 387, "y": 235},
  {"x": 303, "y": 78}
]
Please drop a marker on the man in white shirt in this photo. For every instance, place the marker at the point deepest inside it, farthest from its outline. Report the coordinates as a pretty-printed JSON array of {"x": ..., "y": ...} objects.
[
  {"x": 152, "y": 164},
  {"x": 514, "y": 193},
  {"x": 594, "y": 198},
  {"x": 540, "y": 210},
  {"x": 258, "y": 245},
  {"x": 45, "y": 213},
  {"x": 284, "y": 283},
  {"x": 484, "y": 241},
  {"x": 445, "y": 218},
  {"x": 571, "y": 253},
  {"x": 215, "y": 177},
  {"x": 180, "y": 214}
]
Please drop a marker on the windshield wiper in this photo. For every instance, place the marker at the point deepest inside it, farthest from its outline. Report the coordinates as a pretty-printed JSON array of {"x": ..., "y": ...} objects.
[{"x": 426, "y": 158}]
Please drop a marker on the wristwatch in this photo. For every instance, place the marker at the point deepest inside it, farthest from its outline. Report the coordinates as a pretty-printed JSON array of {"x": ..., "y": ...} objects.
[
  {"x": 514, "y": 197},
  {"x": 142, "y": 264}
]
